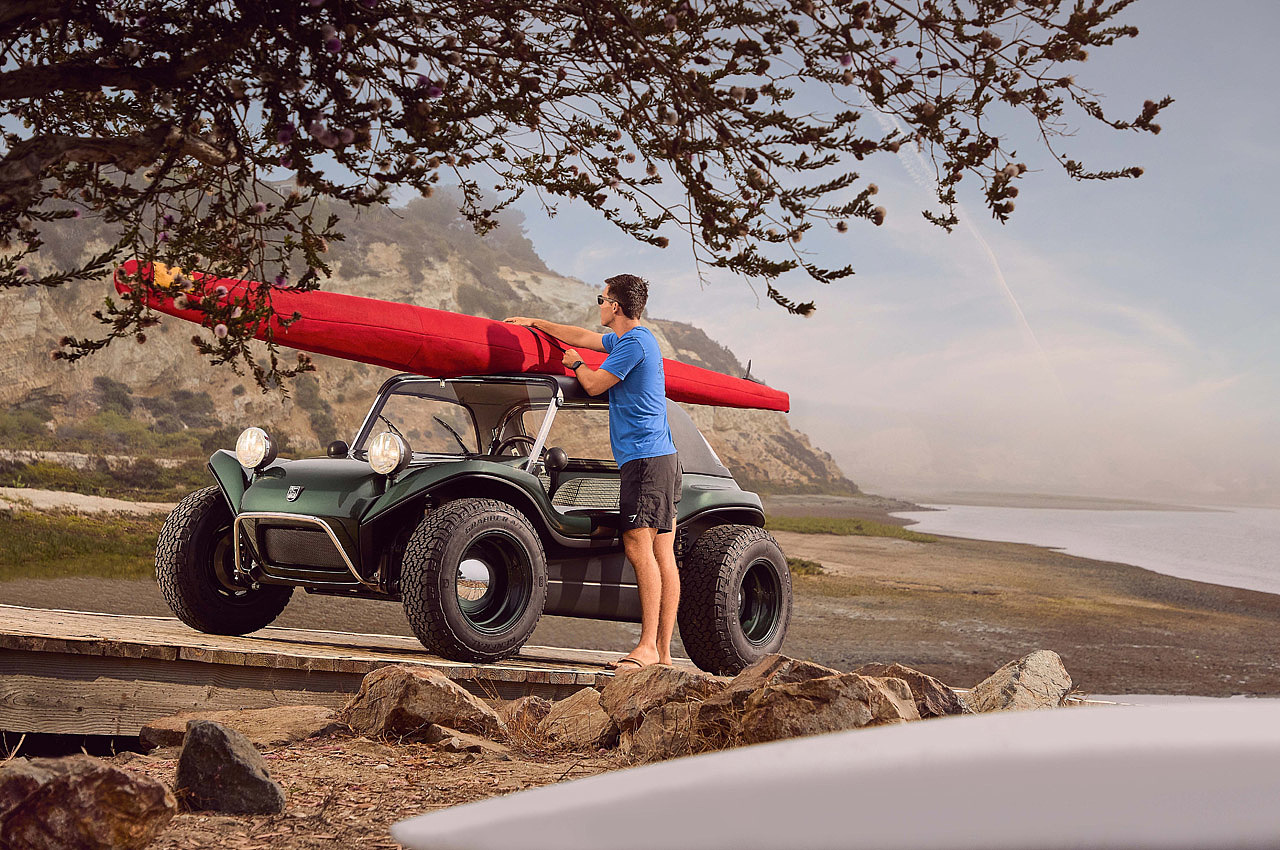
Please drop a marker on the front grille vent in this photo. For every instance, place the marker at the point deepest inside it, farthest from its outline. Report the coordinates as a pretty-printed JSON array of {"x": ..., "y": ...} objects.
[{"x": 301, "y": 547}]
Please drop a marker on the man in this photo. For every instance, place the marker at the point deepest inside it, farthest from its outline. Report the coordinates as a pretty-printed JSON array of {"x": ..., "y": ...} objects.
[{"x": 641, "y": 439}]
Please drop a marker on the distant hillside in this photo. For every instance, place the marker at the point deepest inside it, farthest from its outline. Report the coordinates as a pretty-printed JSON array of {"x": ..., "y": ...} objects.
[{"x": 161, "y": 397}]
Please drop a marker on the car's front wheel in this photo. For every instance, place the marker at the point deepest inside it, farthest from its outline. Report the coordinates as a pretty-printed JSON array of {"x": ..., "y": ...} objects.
[
  {"x": 474, "y": 580},
  {"x": 195, "y": 567},
  {"x": 735, "y": 598}
]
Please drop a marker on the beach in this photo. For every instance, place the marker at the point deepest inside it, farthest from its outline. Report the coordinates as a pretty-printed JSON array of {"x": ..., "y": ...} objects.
[{"x": 954, "y": 608}]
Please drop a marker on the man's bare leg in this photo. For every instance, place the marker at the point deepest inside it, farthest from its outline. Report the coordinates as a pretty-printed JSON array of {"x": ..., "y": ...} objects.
[
  {"x": 639, "y": 545},
  {"x": 664, "y": 552}
]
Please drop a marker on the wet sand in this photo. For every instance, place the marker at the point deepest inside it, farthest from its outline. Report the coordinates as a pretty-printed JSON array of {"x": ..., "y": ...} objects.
[{"x": 955, "y": 608}]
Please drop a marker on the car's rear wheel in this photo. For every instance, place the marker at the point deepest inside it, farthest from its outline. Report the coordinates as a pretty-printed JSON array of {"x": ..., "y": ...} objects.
[
  {"x": 735, "y": 598},
  {"x": 195, "y": 568},
  {"x": 474, "y": 580}
]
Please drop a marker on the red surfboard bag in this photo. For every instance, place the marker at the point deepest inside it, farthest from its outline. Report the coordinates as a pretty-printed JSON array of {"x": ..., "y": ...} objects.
[{"x": 436, "y": 343}]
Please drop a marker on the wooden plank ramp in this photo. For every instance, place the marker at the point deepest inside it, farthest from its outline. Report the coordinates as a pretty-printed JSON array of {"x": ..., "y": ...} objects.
[{"x": 75, "y": 672}]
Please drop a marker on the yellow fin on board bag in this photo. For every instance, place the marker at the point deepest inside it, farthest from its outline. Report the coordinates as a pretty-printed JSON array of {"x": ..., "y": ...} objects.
[{"x": 162, "y": 275}]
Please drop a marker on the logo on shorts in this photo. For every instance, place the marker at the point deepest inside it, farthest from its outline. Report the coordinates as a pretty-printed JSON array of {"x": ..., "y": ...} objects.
[
  {"x": 294, "y": 492},
  {"x": 632, "y": 518}
]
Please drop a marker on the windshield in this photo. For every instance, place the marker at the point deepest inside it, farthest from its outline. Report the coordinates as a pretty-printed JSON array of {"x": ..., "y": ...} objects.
[{"x": 464, "y": 417}]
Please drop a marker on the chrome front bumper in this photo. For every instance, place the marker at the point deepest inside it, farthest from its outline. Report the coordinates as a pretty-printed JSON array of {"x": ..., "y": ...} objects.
[{"x": 292, "y": 520}]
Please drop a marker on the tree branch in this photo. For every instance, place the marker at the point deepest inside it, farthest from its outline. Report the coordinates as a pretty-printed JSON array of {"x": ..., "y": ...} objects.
[
  {"x": 15, "y": 14},
  {"x": 41, "y": 80},
  {"x": 22, "y": 170}
]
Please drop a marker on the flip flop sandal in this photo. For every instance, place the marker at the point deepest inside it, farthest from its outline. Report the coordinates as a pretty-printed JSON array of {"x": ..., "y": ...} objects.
[{"x": 617, "y": 665}]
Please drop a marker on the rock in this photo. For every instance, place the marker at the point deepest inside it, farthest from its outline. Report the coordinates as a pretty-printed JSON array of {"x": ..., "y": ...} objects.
[
  {"x": 81, "y": 802},
  {"x": 828, "y": 704},
  {"x": 627, "y": 698},
  {"x": 933, "y": 698},
  {"x": 19, "y": 778},
  {"x": 579, "y": 722},
  {"x": 1038, "y": 680},
  {"x": 264, "y": 727},
  {"x": 453, "y": 741},
  {"x": 524, "y": 714},
  {"x": 405, "y": 701},
  {"x": 666, "y": 732},
  {"x": 716, "y": 725},
  {"x": 220, "y": 771}
]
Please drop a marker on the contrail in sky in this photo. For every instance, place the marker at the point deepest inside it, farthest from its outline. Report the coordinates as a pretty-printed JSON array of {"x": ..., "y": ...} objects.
[{"x": 915, "y": 166}]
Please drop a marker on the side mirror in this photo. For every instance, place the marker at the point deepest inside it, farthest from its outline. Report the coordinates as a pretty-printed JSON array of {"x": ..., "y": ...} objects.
[
  {"x": 338, "y": 448},
  {"x": 556, "y": 459}
]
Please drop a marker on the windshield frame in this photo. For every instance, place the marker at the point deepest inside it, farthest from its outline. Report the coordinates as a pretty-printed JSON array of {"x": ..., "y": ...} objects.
[{"x": 393, "y": 385}]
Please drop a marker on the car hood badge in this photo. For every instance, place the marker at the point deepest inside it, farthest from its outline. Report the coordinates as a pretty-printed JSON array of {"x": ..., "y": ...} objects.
[{"x": 294, "y": 492}]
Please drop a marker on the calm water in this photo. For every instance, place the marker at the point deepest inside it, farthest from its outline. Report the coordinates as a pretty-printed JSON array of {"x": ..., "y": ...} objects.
[{"x": 1239, "y": 547}]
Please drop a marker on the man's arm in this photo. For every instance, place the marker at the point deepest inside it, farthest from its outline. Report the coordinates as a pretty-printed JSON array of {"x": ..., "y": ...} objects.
[
  {"x": 594, "y": 381},
  {"x": 580, "y": 337}
]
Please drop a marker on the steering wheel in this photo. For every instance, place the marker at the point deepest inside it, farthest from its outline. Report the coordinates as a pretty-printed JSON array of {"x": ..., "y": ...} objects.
[{"x": 513, "y": 441}]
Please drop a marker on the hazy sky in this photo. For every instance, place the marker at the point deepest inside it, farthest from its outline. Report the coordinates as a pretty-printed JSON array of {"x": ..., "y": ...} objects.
[{"x": 1147, "y": 362}]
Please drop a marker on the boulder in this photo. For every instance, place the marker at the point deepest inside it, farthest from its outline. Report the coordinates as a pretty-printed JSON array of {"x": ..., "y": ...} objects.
[
  {"x": 20, "y": 777},
  {"x": 717, "y": 722},
  {"x": 523, "y": 714},
  {"x": 264, "y": 727},
  {"x": 579, "y": 722},
  {"x": 1035, "y": 681},
  {"x": 220, "y": 771},
  {"x": 405, "y": 701},
  {"x": 453, "y": 741},
  {"x": 82, "y": 802},
  {"x": 933, "y": 698},
  {"x": 665, "y": 733},
  {"x": 829, "y": 704},
  {"x": 629, "y": 697}
]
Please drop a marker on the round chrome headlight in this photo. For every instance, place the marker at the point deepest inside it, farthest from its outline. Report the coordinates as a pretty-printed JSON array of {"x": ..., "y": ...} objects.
[
  {"x": 255, "y": 449},
  {"x": 388, "y": 453}
]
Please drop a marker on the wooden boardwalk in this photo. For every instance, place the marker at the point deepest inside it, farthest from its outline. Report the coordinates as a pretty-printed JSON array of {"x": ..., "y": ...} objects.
[{"x": 72, "y": 672}]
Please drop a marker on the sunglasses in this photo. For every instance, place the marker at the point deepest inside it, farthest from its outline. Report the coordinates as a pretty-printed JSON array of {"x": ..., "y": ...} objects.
[{"x": 600, "y": 299}]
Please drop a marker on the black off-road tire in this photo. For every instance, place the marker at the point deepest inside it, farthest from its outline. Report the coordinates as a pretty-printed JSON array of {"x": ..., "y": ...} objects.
[
  {"x": 721, "y": 636},
  {"x": 193, "y": 547},
  {"x": 498, "y": 623}
]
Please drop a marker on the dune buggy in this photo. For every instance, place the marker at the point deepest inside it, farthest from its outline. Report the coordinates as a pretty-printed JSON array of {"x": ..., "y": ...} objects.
[{"x": 479, "y": 503}]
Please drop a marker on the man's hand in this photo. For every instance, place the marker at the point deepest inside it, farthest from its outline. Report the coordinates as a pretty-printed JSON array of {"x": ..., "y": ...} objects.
[
  {"x": 570, "y": 357},
  {"x": 568, "y": 334}
]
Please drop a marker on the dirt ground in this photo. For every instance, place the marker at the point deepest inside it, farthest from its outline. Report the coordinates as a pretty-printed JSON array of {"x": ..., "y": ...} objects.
[
  {"x": 345, "y": 791},
  {"x": 959, "y": 608},
  {"x": 956, "y": 609}
]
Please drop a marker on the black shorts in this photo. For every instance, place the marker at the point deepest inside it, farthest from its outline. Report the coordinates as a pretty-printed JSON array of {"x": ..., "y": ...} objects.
[{"x": 648, "y": 494}]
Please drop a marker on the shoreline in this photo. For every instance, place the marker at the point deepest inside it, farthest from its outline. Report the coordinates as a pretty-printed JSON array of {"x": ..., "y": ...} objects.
[
  {"x": 1231, "y": 547},
  {"x": 1054, "y": 501}
]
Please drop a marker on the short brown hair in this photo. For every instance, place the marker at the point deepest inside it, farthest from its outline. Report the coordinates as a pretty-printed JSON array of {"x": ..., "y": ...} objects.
[{"x": 631, "y": 293}]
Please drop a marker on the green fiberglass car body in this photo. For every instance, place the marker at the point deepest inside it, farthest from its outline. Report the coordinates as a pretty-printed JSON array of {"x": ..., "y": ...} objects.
[{"x": 480, "y": 504}]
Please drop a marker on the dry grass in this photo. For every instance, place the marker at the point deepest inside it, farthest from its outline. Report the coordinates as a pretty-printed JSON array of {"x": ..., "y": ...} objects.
[
  {"x": 525, "y": 738},
  {"x": 804, "y": 567},
  {"x": 844, "y": 526},
  {"x": 38, "y": 544}
]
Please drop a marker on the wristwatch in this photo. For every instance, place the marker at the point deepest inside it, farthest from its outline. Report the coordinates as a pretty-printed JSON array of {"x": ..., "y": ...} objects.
[{"x": 575, "y": 366}]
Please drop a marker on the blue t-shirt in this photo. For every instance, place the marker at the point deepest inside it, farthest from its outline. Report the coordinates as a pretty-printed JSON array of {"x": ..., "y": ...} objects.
[{"x": 638, "y": 424}]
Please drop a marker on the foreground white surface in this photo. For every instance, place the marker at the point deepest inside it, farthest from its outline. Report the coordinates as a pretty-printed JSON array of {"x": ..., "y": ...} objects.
[{"x": 1123, "y": 777}]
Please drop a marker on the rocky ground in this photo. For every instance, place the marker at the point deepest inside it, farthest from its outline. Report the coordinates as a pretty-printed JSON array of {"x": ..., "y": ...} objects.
[
  {"x": 347, "y": 790},
  {"x": 326, "y": 780}
]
